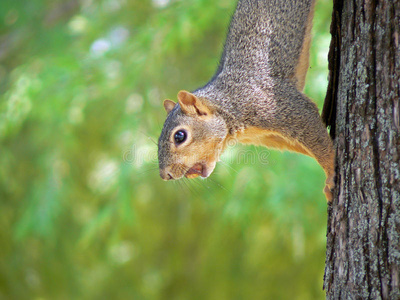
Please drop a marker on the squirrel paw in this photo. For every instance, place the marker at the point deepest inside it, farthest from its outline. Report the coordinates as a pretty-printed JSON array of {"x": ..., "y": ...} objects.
[
  {"x": 329, "y": 186},
  {"x": 328, "y": 193}
]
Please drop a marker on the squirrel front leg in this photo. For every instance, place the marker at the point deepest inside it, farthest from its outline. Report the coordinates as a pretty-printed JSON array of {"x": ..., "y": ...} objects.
[
  {"x": 310, "y": 136},
  {"x": 320, "y": 146},
  {"x": 294, "y": 124},
  {"x": 314, "y": 141}
]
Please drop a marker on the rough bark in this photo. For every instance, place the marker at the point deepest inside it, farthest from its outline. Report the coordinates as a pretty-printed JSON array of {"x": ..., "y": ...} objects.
[{"x": 362, "y": 109}]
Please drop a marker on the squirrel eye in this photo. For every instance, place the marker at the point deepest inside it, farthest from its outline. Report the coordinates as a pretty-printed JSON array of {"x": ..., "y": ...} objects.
[{"x": 180, "y": 136}]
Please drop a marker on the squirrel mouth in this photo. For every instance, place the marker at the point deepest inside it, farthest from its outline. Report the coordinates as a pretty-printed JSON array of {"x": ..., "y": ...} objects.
[{"x": 198, "y": 169}]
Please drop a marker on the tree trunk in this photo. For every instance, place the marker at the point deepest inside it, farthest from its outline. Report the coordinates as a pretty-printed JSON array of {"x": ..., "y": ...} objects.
[{"x": 362, "y": 109}]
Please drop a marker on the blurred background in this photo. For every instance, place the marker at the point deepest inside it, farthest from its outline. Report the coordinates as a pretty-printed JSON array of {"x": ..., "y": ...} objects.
[{"x": 83, "y": 212}]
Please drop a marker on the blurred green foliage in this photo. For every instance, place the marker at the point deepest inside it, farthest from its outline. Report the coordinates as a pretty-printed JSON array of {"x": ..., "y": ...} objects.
[{"x": 83, "y": 212}]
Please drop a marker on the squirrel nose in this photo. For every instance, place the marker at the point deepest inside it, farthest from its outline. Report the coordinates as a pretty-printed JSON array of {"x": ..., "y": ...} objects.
[{"x": 165, "y": 175}]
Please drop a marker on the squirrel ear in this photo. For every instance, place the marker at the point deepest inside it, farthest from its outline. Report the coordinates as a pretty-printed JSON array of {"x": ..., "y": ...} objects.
[
  {"x": 169, "y": 105},
  {"x": 192, "y": 105}
]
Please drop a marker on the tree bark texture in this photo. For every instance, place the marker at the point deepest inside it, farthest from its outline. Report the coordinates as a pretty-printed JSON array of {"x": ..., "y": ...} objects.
[{"x": 362, "y": 109}]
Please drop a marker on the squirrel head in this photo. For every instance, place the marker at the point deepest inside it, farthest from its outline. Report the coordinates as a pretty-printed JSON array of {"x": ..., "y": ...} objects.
[{"x": 192, "y": 138}]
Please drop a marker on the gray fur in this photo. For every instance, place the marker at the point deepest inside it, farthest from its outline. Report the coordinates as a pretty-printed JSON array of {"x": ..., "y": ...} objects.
[{"x": 256, "y": 83}]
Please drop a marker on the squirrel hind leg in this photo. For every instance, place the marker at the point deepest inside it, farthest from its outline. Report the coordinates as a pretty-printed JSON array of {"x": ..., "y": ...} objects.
[{"x": 303, "y": 60}]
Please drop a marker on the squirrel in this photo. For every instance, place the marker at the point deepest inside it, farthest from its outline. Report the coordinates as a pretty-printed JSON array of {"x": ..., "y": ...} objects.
[{"x": 254, "y": 97}]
